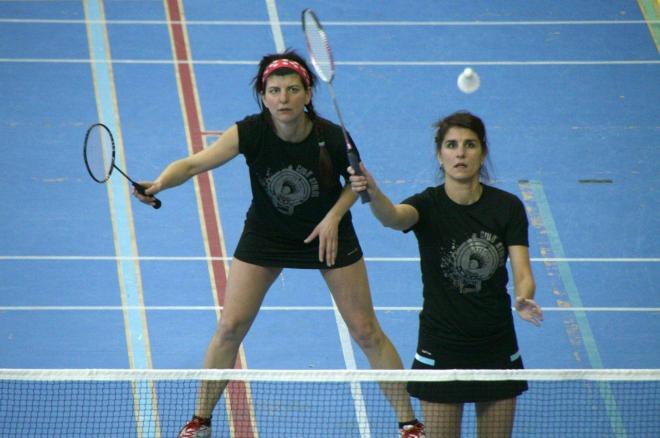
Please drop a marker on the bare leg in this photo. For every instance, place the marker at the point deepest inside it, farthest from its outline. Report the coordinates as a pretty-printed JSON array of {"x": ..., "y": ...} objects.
[
  {"x": 495, "y": 419},
  {"x": 442, "y": 420},
  {"x": 350, "y": 289},
  {"x": 247, "y": 285}
]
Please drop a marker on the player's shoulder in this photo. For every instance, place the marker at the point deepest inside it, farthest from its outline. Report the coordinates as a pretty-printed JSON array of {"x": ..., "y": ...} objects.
[
  {"x": 429, "y": 194},
  {"x": 501, "y": 196},
  {"x": 327, "y": 127},
  {"x": 323, "y": 122},
  {"x": 433, "y": 191},
  {"x": 252, "y": 120},
  {"x": 496, "y": 191},
  {"x": 251, "y": 133}
]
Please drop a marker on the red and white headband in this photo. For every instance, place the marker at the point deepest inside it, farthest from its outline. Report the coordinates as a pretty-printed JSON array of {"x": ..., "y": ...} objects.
[{"x": 285, "y": 63}]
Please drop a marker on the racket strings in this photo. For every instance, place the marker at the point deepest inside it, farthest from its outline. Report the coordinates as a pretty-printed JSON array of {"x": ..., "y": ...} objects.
[
  {"x": 319, "y": 49},
  {"x": 99, "y": 153}
]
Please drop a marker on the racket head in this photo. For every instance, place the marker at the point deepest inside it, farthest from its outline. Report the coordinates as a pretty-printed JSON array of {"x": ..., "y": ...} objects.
[
  {"x": 318, "y": 46},
  {"x": 99, "y": 152}
]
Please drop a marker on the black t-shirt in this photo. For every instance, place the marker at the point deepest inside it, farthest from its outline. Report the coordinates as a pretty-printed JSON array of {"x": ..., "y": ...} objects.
[
  {"x": 463, "y": 254},
  {"x": 288, "y": 197}
]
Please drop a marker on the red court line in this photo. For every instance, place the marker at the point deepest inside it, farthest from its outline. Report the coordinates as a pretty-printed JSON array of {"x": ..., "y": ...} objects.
[{"x": 237, "y": 392}]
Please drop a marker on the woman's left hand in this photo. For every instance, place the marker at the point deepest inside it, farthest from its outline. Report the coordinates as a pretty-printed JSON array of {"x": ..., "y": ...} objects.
[
  {"x": 328, "y": 235},
  {"x": 529, "y": 311}
]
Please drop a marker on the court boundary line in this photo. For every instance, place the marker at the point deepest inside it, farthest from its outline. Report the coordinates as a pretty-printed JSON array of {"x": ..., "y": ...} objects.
[
  {"x": 338, "y": 23},
  {"x": 275, "y": 25},
  {"x": 351, "y": 364},
  {"x": 366, "y": 259},
  {"x": 346, "y": 63},
  {"x": 59, "y": 308}
]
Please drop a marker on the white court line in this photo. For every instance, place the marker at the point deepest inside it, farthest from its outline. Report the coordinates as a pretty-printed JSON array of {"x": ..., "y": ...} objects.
[
  {"x": 275, "y": 26},
  {"x": 368, "y": 259},
  {"x": 296, "y": 308},
  {"x": 350, "y": 63},
  {"x": 496, "y": 63},
  {"x": 400, "y": 23},
  {"x": 351, "y": 364}
]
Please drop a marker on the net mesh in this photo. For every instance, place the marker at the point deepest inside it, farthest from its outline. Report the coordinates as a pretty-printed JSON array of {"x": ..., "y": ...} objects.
[
  {"x": 318, "y": 47},
  {"x": 98, "y": 152},
  {"x": 342, "y": 403}
]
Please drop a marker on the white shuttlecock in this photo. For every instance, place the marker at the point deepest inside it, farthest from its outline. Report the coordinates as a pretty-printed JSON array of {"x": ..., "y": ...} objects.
[{"x": 468, "y": 81}]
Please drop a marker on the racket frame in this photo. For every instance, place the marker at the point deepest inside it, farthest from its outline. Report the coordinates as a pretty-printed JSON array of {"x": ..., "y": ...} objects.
[
  {"x": 140, "y": 188},
  {"x": 320, "y": 30},
  {"x": 112, "y": 152}
]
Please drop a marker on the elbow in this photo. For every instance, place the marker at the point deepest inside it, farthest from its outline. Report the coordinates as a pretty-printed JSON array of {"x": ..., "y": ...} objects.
[
  {"x": 386, "y": 222},
  {"x": 393, "y": 223},
  {"x": 387, "y": 218}
]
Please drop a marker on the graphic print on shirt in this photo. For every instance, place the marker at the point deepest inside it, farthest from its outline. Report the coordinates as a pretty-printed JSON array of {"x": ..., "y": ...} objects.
[
  {"x": 473, "y": 261},
  {"x": 290, "y": 187}
]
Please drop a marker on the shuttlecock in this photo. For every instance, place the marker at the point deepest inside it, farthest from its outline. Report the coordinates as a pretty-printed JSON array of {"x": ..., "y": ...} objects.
[{"x": 468, "y": 81}]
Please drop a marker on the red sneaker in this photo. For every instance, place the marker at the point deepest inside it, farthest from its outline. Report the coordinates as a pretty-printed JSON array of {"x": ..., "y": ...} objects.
[
  {"x": 195, "y": 428},
  {"x": 412, "y": 431}
]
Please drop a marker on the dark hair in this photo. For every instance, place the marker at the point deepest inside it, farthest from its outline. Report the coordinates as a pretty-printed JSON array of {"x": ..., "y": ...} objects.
[
  {"x": 259, "y": 87},
  {"x": 467, "y": 120}
]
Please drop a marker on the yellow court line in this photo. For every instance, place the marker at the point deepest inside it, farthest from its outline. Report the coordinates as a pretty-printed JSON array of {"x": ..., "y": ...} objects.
[{"x": 651, "y": 11}]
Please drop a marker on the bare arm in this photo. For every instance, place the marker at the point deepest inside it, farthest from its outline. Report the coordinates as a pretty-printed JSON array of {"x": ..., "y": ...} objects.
[
  {"x": 398, "y": 217},
  {"x": 344, "y": 203},
  {"x": 222, "y": 150},
  {"x": 524, "y": 285}
]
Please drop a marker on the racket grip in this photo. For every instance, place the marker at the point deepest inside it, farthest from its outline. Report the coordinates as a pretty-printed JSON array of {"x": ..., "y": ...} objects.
[
  {"x": 141, "y": 189},
  {"x": 355, "y": 164}
]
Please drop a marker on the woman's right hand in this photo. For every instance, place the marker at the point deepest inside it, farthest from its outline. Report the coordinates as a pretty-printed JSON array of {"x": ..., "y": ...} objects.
[
  {"x": 398, "y": 217},
  {"x": 150, "y": 190},
  {"x": 361, "y": 183}
]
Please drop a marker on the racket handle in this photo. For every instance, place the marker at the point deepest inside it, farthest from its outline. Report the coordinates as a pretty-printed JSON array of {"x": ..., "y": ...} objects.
[
  {"x": 141, "y": 190},
  {"x": 355, "y": 164}
]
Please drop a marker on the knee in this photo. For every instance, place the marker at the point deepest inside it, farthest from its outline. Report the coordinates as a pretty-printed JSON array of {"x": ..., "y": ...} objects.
[
  {"x": 368, "y": 334},
  {"x": 231, "y": 331}
]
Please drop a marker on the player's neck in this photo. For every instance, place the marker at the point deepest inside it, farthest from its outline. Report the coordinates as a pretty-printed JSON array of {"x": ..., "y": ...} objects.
[
  {"x": 464, "y": 193},
  {"x": 294, "y": 131}
]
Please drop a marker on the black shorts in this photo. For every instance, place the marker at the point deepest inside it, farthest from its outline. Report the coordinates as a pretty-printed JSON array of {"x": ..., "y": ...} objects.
[
  {"x": 277, "y": 252},
  {"x": 465, "y": 391}
]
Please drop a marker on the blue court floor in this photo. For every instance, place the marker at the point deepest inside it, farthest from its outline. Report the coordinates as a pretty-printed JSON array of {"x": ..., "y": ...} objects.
[{"x": 89, "y": 278}]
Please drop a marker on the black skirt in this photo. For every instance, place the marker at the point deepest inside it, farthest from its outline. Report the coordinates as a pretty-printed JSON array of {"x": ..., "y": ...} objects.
[
  {"x": 443, "y": 358},
  {"x": 276, "y": 252}
]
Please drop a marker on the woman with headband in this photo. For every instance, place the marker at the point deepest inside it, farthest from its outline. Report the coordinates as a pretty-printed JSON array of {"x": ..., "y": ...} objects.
[{"x": 299, "y": 218}]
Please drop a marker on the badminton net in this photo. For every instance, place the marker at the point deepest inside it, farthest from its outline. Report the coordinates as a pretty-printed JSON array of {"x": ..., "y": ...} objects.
[{"x": 317, "y": 403}]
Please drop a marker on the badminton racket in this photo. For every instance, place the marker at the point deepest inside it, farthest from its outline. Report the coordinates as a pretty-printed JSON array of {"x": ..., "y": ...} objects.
[
  {"x": 320, "y": 53},
  {"x": 99, "y": 155}
]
